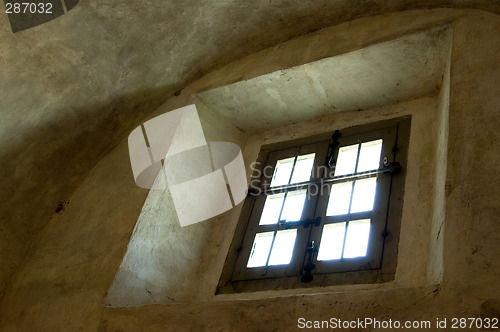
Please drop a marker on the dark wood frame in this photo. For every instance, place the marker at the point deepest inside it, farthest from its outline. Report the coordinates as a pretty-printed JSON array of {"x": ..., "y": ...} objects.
[{"x": 380, "y": 266}]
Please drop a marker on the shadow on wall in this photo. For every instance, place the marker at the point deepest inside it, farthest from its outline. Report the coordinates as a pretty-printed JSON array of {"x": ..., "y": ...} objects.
[
  {"x": 26, "y": 15},
  {"x": 60, "y": 166}
]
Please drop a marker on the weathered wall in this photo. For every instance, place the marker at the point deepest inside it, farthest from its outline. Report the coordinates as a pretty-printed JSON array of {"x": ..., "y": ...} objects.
[
  {"x": 163, "y": 261},
  {"x": 472, "y": 233},
  {"x": 72, "y": 89},
  {"x": 62, "y": 286}
]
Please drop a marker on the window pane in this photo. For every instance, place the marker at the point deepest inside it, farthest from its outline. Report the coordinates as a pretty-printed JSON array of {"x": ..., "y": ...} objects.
[
  {"x": 340, "y": 195},
  {"x": 356, "y": 241},
  {"x": 369, "y": 156},
  {"x": 332, "y": 240},
  {"x": 364, "y": 195},
  {"x": 272, "y": 208},
  {"x": 303, "y": 168},
  {"x": 260, "y": 249},
  {"x": 346, "y": 161},
  {"x": 294, "y": 204},
  {"x": 283, "y": 247},
  {"x": 282, "y": 172}
]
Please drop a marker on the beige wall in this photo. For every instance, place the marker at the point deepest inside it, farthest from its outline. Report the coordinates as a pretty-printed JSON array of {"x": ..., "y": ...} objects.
[{"x": 63, "y": 284}]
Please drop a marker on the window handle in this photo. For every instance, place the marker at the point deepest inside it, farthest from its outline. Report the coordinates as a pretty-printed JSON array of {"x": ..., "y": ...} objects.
[
  {"x": 306, "y": 223},
  {"x": 311, "y": 249},
  {"x": 332, "y": 149},
  {"x": 393, "y": 167}
]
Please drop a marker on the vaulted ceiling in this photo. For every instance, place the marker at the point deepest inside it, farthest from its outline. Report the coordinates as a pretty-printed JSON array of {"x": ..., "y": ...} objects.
[{"x": 74, "y": 87}]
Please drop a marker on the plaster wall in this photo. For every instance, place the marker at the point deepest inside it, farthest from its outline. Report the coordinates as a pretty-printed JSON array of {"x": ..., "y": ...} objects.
[
  {"x": 63, "y": 284},
  {"x": 73, "y": 88},
  {"x": 165, "y": 263}
]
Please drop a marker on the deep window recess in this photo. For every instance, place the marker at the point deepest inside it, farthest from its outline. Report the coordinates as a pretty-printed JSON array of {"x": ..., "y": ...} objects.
[{"x": 322, "y": 211}]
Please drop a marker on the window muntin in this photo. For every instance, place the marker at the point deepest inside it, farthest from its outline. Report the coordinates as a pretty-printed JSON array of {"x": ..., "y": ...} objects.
[
  {"x": 349, "y": 239},
  {"x": 353, "y": 196},
  {"x": 358, "y": 203},
  {"x": 282, "y": 248},
  {"x": 276, "y": 248},
  {"x": 353, "y": 210},
  {"x": 272, "y": 248},
  {"x": 294, "y": 204},
  {"x": 301, "y": 166},
  {"x": 260, "y": 249},
  {"x": 270, "y": 212}
]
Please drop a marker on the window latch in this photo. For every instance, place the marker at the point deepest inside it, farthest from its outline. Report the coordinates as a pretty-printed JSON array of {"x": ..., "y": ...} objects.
[
  {"x": 392, "y": 167},
  {"x": 306, "y": 223},
  {"x": 332, "y": 149},
  {"x": 311, "y": 249}
]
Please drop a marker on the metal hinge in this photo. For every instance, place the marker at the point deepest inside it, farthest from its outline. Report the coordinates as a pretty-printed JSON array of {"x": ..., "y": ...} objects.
[{"x": 311, "y": 249}]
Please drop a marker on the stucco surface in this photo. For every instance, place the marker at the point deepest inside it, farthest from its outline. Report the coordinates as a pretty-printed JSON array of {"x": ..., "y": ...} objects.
[
  {"x": 386, "y": 73},
  {"x": 56, "y": 145},
  {"x": 72, "y": 89},
  {"x": 447, "y": 148},
  {"x": 167, "y": 272}
]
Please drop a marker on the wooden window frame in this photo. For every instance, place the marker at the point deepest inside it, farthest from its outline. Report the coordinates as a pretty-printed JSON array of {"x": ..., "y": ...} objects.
[{"x": 380, "y": 263}]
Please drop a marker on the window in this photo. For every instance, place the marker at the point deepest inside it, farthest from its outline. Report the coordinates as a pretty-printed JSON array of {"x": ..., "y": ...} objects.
[{"x": 322, "y": 211}]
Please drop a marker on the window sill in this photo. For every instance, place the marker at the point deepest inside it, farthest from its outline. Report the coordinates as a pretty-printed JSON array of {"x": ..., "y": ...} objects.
[
  {"x": 352, "y": 290},
  {"x": 322, "y": 281}
]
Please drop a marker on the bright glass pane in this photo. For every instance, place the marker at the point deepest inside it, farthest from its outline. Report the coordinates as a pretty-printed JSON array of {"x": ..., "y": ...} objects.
[
  {"x": 364, "y": 195},
  {"x": 260, "y": 249},
  {"x": 332, "y": 240},
  {"x": 272, "y": 208},
  {"x": 369, "y": 156},
  {"x": 303, "y": 168},
  {"x": 282, "y": 172},
  {"x": 294, "y": 204},
  {"x": 340, "y": 195},
  {"x": 346, "y": 161},
  {"x": 356, "y": 241},
  {"x": 283, "y": 247}
]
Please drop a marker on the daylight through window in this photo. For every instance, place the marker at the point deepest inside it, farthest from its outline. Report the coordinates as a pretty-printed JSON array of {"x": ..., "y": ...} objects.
[{"x": 305, "y": 218}]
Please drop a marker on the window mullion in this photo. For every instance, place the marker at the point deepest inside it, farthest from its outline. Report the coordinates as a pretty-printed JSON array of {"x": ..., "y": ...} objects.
[
  {"x": 269, "y": 253},
  {"x": 289, "y": 179},
  {"x": 350, "y": 203},
  {"x": 317, "y": 199},
  {"x": 294, "y": 163}
]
